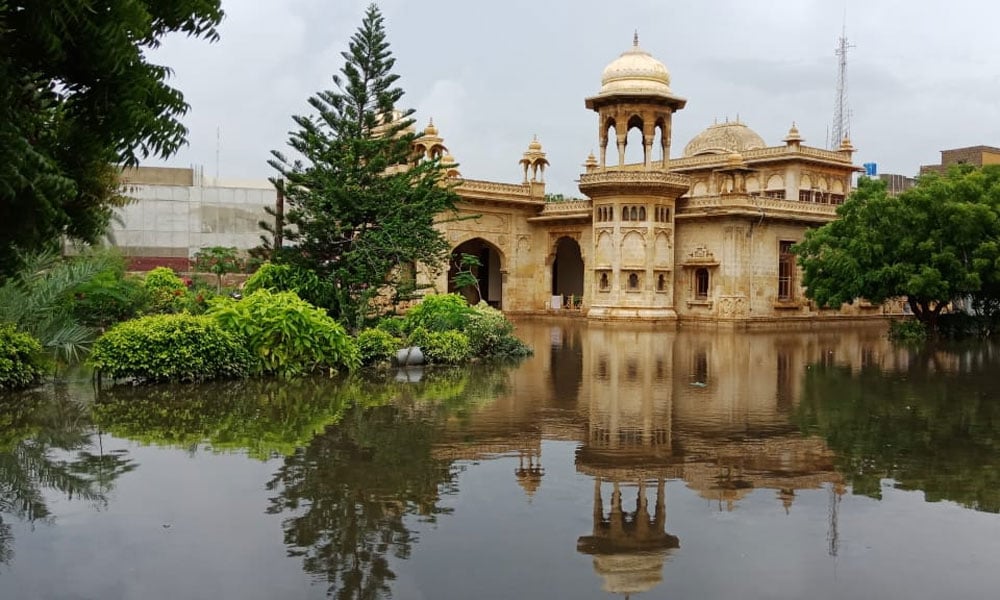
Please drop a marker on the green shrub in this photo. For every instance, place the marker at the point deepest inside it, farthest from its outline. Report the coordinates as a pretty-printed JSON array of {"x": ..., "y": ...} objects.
[
  {"x": 285, "y": 334},
  {"x": 22, "y": 363},
  {"x": 394, "y": 326},
  {"x": 166, "y": 290},
  {"x": 178, "y": 347},
  {"x": 290, "y": 278},
  {"x": 377, "y": 346},
  {"x": 439, "y": 312},
  {"x": 446, "y": 347},
  {"x": 109, "y": 298},
  {"x": 491, "y": 334},
  {"x": 910, "y": 330}
]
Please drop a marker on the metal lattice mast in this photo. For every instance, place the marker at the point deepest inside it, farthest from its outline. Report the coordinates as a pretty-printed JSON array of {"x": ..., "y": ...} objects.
[{"x": 841, "y": 127}]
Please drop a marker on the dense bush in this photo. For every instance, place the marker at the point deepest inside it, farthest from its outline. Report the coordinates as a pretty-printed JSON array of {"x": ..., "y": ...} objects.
[
  {"x": 21, "y": 361},
  {"x": 449, "y": 331},
  {"x": 446, "y": 347},
  {"x": 290, "y": 278},
  {"x": 178, "y": 347},
  {"x": 394, "y": 326},
  {"x": 438, "y": 312},
  {"x": 910, "y": 330},
  {"x": 166, "y": 291},
  {"x": 285, "y": 334},
  {"x": 376, "y": 345},
  {"x": 491, "y": 334},
  {"x": 109, "y": 298}
]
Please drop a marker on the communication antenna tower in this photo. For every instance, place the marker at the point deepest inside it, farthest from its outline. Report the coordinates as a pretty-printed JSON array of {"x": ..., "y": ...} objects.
[{"x": 841, "y": 111}]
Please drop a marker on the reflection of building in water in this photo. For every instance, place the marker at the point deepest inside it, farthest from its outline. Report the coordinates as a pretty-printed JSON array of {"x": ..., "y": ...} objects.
[
  {"x": 710, "y": 408},
  {"x": 629, "y": 548},
  {"x": 628, "y": 444},
  {"x": 529, "y": 470}
]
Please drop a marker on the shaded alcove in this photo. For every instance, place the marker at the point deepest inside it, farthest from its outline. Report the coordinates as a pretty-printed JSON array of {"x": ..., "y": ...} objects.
[
  {"x": 487, "y": 272},
  {"x": 567, "y": 269}
]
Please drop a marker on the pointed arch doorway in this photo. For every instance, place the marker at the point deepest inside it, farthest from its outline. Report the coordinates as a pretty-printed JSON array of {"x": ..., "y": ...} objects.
[{"x": 487, "y": 273}]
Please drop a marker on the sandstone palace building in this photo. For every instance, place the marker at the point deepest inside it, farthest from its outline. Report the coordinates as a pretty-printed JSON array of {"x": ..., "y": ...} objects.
[{"x": 704, "y": 237}]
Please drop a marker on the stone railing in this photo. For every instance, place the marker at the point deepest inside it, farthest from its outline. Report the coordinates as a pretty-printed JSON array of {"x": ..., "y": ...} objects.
[
  {"x": 764, "y": 206},
  {"x": 629, "y": 176},
  {"x": 566, "y": 210},
  {"x": 478, "y": 185},
  {"x": 567, "y": 206},
  {"x": 758, "y": 154}
]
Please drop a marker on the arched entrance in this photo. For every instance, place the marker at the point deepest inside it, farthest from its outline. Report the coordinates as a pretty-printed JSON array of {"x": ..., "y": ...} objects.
[
  {"x": 483, "y": 268},
  {"x": 567, "y": 271}
]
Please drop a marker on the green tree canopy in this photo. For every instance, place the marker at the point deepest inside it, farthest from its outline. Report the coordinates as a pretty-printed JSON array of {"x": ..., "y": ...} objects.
[
  {"x": 361, "y": 211},
  {"x": 78, "y": 97},
  {"x": 933, "y": 244}
]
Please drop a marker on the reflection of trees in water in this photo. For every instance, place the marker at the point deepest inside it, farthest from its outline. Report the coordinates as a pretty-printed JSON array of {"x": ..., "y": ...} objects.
[
  {"x": 929, "y": 430},
  {"x": 264, "y": 418},
  {"x": 47, "y": 443},
  {"x": 348, "y": 493}
]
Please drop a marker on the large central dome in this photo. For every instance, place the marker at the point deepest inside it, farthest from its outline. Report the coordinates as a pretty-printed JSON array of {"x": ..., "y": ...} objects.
[
  {"x": 724, "y": 138},
  {"x": 635, "y": 71}
]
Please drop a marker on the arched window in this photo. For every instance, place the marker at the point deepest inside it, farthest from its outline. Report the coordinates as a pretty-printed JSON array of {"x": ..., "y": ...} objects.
[
  {"x": 633, "y": 281},
  {"x": 642, "y": 213},
  {"x": 604, "y": 281},
  {"x": 624, "y": 213},
  {"x": 661, "y": 283},
  {"x": 635, "y": 214},
  {"x": 701, "y": 284}
]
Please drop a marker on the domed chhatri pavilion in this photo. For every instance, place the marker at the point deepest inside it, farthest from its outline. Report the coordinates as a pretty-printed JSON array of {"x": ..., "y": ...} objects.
[{"x": 703, "y": 237}]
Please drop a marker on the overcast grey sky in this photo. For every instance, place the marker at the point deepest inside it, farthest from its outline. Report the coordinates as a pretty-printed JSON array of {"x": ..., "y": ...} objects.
[{"x": 923, "y": 75}]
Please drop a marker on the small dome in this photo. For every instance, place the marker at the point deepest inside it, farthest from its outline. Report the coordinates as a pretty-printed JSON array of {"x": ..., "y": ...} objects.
[
  {"x": 635, "y": 71},
  {"x": 448, "y": 160},
  {"x": 535, "y": 145},
  {"x": 724, "y": 138},
  {"x": 793, "y": 134},
  {"x": 431, "y": 130}
]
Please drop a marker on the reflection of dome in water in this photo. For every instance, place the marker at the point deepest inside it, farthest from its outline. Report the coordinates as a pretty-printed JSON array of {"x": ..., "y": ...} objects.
[
  {"x": 630, "y": 573},
  {"x": 724, "y": 138},
  {"x": 529, "y": 479}
]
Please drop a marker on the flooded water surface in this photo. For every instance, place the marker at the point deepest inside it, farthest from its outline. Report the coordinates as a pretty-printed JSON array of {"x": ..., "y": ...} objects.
[{"x": 614, "y": 462}]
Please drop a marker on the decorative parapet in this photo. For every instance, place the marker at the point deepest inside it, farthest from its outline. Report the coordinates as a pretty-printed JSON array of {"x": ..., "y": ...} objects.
[
  {"x": 629, "y": 180},
  {"x": 566, "y": 210},
  {"x": 743, "y": 204},
  {"x": 761, "y": 155},
  {"x": 511, "y": 193}
]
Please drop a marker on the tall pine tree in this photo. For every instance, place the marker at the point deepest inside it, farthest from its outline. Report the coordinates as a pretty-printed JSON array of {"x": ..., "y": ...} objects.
[{"x": 360, "y": 209}]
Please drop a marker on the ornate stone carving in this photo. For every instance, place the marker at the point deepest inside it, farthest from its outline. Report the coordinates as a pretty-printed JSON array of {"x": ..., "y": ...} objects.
[
  {"x": 733, "y": 307},
  {"x": 523, "y": 243}
]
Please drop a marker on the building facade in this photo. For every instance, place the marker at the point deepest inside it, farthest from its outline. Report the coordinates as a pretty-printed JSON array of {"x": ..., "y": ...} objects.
[{"x": 704, "y": 237}]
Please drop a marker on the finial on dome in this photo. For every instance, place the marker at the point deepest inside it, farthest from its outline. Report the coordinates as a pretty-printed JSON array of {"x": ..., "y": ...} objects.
[
  {"x": 793, "y": 134},
  {"x": 430, "y": 130},
  {"x": 635, "y": 39},
  {"x": 846, "y": 146}
]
